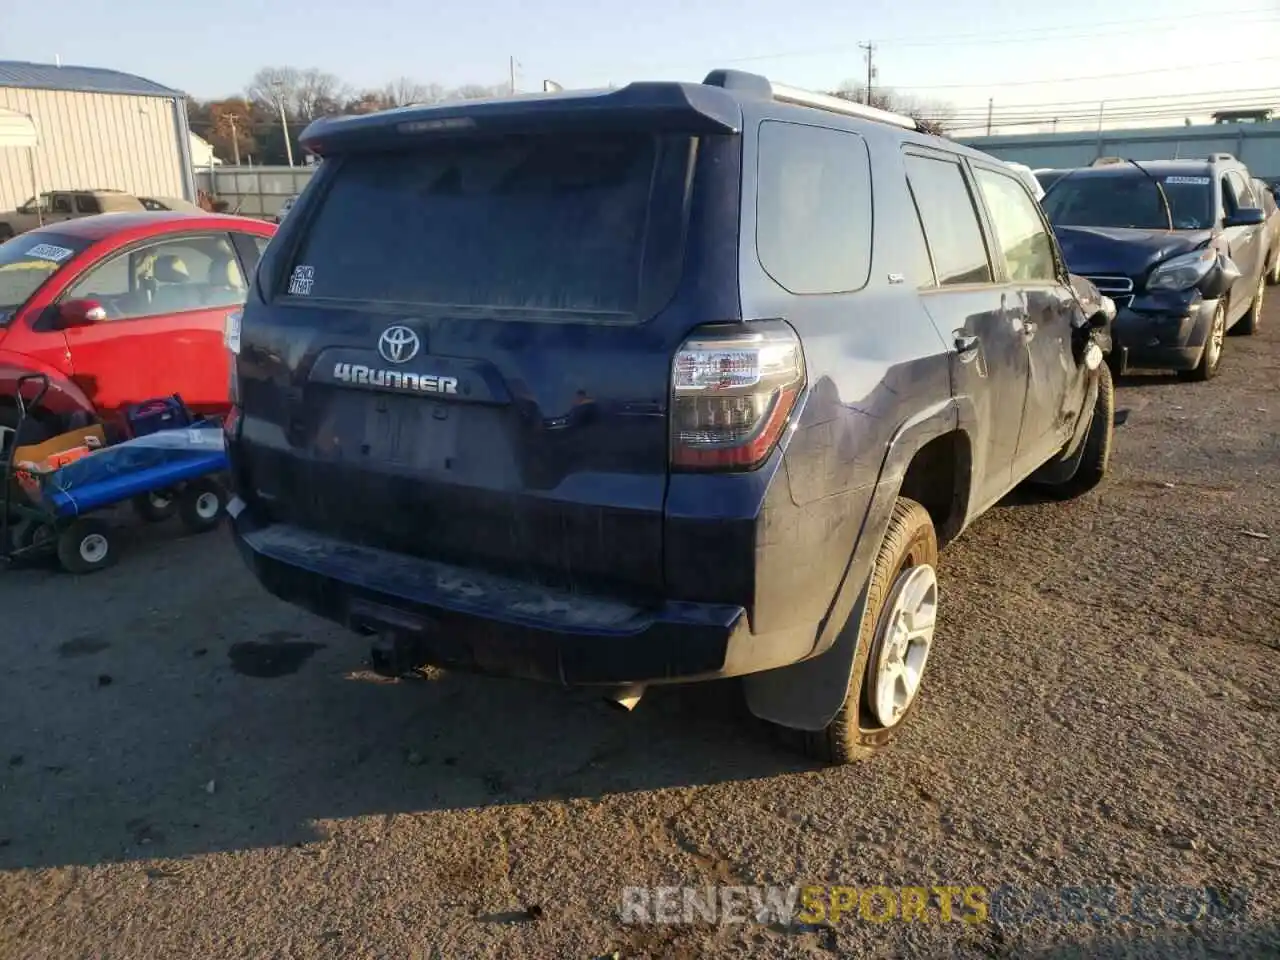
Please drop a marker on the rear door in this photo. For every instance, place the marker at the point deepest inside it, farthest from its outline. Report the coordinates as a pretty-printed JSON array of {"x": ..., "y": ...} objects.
[
  {"x": 467, "y": 352},
  {"x": 167, "y": 302},
  {"x": 980, "y": 317},
  {"x": 1028, "y": 259}
]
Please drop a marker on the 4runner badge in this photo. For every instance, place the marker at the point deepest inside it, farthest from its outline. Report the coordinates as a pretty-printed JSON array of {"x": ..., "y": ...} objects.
[{"x": 360, "y": 375}]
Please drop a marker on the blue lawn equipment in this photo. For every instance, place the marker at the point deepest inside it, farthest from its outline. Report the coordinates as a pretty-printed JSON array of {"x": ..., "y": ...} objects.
[{"x": 170, "y": 464}]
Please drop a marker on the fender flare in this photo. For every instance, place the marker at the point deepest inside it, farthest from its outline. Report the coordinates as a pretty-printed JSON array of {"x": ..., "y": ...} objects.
[
  {"x": 808, "y": 694},
  {"x": 63, "y": 398}
]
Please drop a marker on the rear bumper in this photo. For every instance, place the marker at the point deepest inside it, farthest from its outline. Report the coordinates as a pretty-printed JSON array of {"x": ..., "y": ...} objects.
[
  {"x": 469, "y": 620},
  {"x": 1164, "y": 341}
]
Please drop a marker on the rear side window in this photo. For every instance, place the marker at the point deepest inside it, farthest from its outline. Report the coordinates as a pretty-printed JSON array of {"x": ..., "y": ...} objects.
[
  {"x": 1023, "y": 239},
  {"x": 585, "y": 223},
  {"x": 85, "y": 203},
  {"x": 949, "y": 220},
  {"x": 813, "y": 208}
]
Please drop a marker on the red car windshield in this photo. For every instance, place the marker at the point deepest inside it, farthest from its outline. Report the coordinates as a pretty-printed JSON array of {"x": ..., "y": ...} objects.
[{"x": 26, "y": 262}]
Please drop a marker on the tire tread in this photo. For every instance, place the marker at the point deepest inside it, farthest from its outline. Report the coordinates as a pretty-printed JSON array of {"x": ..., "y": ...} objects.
[{"x": 839, "y": 742}]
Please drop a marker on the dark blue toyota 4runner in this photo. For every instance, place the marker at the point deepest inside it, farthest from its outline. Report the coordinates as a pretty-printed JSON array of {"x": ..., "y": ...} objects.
[
  {"x": 675, "y": 382},
  {"x": 1181, "y": 246}
]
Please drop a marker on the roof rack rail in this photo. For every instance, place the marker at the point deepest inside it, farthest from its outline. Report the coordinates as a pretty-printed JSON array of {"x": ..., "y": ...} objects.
[{"x": 758, "y": 85}]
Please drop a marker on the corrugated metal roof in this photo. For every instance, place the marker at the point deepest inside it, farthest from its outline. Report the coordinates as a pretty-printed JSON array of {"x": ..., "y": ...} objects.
[{"x": 46, "y": 76}]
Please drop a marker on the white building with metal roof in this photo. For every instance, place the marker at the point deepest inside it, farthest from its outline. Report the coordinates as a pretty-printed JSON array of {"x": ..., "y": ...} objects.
[{"x": 69, "y": 128}]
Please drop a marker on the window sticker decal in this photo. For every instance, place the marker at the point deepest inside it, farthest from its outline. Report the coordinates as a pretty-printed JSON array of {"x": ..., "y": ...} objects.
[
  {"x": 301, "y": 281},
  {"x": 47, "y": 251}
]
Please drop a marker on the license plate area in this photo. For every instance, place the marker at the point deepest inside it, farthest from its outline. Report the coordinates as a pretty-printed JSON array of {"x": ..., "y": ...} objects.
[{"x": 414, "y": 434}]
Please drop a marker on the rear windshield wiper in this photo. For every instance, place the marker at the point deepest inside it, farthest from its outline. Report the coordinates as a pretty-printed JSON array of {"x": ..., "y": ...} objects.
[{"x": 1168, "y": 211}]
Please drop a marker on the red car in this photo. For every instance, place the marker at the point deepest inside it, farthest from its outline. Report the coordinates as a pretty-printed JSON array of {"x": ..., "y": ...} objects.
[{"x": 120, "y": 308}]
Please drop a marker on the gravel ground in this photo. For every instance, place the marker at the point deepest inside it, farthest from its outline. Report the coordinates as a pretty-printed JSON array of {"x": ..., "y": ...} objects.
[{"x": 190, "y": 769}]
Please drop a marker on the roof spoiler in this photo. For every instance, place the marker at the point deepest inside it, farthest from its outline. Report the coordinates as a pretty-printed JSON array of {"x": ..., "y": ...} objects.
[
  {"x": 693, "y": 109},
  {"x": 754, "y": 84}
]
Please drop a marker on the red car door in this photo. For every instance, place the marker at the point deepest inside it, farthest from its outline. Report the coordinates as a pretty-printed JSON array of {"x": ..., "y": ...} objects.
[{"x": 166, "y": 302}]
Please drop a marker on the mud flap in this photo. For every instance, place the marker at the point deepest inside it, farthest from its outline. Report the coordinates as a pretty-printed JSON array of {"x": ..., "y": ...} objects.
[{"x": 807, "y": 695}]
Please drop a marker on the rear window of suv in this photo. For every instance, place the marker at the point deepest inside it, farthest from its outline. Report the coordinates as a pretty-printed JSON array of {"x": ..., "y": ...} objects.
[{"x": 590, "y": 224}]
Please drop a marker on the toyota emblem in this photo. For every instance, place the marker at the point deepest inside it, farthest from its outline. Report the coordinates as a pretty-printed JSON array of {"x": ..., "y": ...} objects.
[{"x": 398, "y": 344}]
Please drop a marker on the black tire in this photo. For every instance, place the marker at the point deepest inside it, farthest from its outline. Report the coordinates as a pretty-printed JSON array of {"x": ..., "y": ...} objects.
[
  {"x": 1251, "y": 321},
  {"x": 155, "y": 507},
  {"x": 1096, "y": 456},
  {"x": 34, "y": 533},
  {"x": 85, "y": 546},
  {"x": 855, "y": 733},
  {"x": 1211, "y": 357},
  {"x": 201, "y": 505}
]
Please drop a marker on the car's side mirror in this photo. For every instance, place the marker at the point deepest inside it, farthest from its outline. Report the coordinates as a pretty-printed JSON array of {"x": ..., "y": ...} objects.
[
  {"x": 1245, "y": 217},
  {"x": 80, "y": 313}
]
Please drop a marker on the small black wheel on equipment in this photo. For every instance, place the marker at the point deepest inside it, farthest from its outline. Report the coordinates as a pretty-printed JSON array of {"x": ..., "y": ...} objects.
[
  {"x": 201, "y": 505},
  {"x": 85, "y": 546},
  {"x": 156, "y": 506}
]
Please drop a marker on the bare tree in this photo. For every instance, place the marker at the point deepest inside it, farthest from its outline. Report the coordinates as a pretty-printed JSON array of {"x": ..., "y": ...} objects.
[
  {"x": 318, "y": 93},
  {"x": 932, "y": 117},
  {"x": 273, "y": 87},
  {"x": 404, "y": 91},
  {"x": 476, "y": 91},
  {"x": 304, "y": 94}
]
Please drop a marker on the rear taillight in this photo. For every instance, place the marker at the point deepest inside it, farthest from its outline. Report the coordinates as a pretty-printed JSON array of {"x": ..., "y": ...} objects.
[{"x": 733, "y": 390}]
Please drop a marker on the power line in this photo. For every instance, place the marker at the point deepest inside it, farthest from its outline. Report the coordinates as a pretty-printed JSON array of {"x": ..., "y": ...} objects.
[
  {"x": 1141, "y": 21},
  {"x": 1059, "y": 34},
  {"x": 1097, "y": 76},
  {"x": 1093, "y": 101},
  {"x": 1156, "y": 103},
  {"x": 1265, "y": 15},
  {"x": 1115, "y": 109}
]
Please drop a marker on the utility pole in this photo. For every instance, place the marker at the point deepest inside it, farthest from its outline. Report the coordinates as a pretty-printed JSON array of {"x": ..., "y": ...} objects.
[
  {"x": 991, "y": 103},
  {"x": 284, "y": 120},
  {"x": 235, "y": 139},
  {"x": 870, "y": 47},
  {"x": 1101, "y": 107},
  {"x": 511, "y": 64}
]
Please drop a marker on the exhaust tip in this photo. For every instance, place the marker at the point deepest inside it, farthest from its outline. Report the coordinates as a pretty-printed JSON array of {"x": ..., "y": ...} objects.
[{"x": 624, "y": 698}]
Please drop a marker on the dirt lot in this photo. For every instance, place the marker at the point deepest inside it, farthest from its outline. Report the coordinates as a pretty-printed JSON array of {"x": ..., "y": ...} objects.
[{"x": 189, "y": 769}]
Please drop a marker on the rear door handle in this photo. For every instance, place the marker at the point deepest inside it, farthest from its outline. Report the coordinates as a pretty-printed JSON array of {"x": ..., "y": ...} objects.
[{"x": 967, "y": 346}]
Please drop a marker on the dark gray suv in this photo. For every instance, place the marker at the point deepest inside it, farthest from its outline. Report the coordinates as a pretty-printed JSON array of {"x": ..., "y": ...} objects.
[{"x": 669, "y": 383}]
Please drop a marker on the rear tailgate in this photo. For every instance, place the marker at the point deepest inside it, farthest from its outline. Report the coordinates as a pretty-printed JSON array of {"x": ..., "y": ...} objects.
[{"x": 467, "y": 355}]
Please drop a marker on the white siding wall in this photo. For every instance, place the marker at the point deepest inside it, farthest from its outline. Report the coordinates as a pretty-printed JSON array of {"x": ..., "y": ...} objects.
[{"x": 93, "y": 141}]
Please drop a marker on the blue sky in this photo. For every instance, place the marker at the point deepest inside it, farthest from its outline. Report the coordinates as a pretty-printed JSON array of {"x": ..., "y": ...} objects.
[{"x": 1019, "y": 54}]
